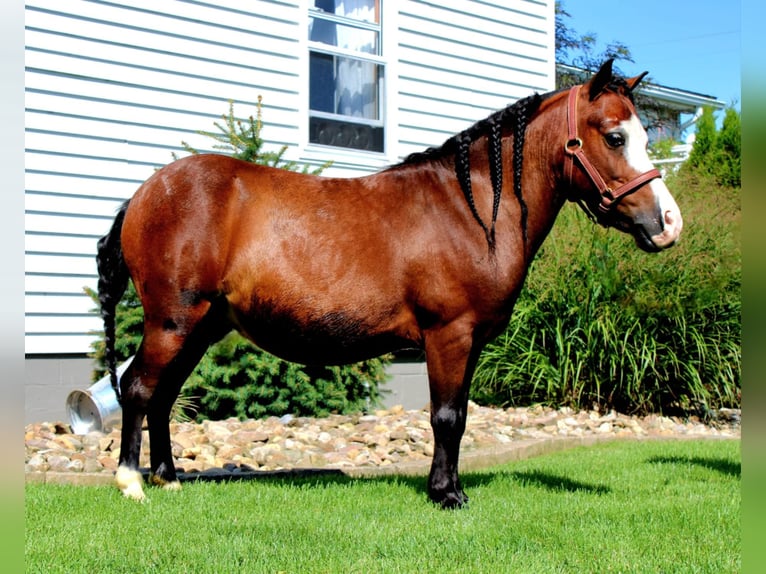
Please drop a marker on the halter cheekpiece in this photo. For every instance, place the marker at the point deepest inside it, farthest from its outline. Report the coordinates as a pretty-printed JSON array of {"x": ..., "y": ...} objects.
[{"x": 574, "y": 151}]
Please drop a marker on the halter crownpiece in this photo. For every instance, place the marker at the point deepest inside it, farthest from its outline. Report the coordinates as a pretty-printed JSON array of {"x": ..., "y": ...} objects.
[{"x": 574, "y": 151}]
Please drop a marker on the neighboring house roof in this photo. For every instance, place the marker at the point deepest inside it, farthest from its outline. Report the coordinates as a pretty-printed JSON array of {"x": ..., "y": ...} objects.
[{"x": 683, "y": 101}]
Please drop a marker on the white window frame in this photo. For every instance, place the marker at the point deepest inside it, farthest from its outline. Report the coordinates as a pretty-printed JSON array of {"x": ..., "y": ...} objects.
[{"x": 387, "y": 90}]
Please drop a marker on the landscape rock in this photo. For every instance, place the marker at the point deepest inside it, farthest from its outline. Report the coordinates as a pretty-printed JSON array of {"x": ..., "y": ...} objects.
[{"x": 378, "y": 439}]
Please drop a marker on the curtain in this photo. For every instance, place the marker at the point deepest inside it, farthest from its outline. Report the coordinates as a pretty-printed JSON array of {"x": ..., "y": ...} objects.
[{"x": 356, "y": 80}]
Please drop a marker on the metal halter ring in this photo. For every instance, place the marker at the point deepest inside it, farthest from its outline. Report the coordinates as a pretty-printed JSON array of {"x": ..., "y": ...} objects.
[{"x": 572, "y": 145}]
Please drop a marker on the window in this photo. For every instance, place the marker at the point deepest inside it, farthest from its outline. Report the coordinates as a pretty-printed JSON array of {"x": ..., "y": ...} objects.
[{"x": 346, "y": 74}]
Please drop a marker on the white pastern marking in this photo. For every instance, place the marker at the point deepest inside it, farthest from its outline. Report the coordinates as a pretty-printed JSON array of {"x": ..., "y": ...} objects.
[{"x": 130, "y": 483}]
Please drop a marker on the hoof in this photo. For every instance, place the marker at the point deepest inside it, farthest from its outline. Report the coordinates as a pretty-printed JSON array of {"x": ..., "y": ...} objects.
[
  {"x": 450, "y": 500},
  {"x": 130, "y": 483},
  {"x": 157, "y": 480},
  {"x": 165, "y": 478}
]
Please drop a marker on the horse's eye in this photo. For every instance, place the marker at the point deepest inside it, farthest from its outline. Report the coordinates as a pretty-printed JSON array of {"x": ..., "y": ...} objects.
[{"x": 614, "y": 140}]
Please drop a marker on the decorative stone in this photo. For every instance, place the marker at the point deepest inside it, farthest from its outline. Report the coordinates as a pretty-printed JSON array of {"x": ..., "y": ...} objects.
[
  {"x": 108, "y": 463},
  {"x": 36, "y": 463},
  {"x": 75, "y": 465},
  {"x": 246, "y": 437},
  {"x": 58, "y": 463},
  {"x": 380, "y": 439},
  {"x": 604, "y": 427}
]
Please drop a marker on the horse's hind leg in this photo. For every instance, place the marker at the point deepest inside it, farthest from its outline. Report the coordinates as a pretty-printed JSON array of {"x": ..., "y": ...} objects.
[
  {"x": 133, "y": 410},
  {"x": 451, "y": 357},
  {"x": 169, "y": 351}
]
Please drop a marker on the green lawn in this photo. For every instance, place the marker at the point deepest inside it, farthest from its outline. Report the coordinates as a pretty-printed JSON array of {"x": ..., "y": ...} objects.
[{"x": 618, "y": 507}]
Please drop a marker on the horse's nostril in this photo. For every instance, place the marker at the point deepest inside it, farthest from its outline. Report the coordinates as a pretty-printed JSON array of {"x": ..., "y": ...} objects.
[{"x": 673, "y": 220}]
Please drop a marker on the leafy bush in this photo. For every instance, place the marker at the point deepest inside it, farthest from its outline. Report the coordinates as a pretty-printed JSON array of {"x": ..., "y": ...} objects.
[
  {"x": 623, "y": 329},
  {"x": 235, "y": 378}
]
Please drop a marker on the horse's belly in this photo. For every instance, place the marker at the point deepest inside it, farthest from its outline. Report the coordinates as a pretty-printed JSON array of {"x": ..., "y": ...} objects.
[{"x": 329, "y": 338}]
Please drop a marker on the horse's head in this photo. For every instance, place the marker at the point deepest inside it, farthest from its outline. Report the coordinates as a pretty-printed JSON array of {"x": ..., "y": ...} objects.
[{"x": 607, "y": 167}]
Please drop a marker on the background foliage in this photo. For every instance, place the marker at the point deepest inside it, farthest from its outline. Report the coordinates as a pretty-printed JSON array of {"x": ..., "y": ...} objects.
[
  {"x": 234, "y": 378},
  {"x": 717, "y": 154}
]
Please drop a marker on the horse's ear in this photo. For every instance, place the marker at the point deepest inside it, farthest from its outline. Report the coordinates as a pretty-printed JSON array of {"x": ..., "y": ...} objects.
[
  {"x": 601, "y": 80},
  {"x": 633, "y": 82}
]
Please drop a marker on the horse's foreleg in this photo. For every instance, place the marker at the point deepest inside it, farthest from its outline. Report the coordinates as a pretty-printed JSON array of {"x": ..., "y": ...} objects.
[{"x": 451, "y": 359}]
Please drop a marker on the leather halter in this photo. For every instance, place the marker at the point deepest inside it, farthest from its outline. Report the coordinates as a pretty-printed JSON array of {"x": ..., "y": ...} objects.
[{"x": 573, "y": 148}]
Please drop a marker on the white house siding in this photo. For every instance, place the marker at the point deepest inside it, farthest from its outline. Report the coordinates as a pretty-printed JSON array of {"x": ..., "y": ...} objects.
[
  {"x": 113, "y": 88},
  {"x": 459, "y": 60},
  {"x": 111, "y": 91}
]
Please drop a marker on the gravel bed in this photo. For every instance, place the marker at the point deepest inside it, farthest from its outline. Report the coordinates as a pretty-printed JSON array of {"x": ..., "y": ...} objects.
[{"x": 385, "y": 438}]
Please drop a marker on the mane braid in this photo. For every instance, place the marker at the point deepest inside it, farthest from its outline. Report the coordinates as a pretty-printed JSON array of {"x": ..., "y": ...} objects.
[
  {"x": 495, "y": 151},
  {"x": 463, "y": 172},
  {"x": 517, "y": 115},
  {"x": 519, "y": 134}
]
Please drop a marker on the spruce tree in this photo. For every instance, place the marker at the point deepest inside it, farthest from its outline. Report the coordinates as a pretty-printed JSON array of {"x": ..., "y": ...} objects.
[
  {"x": 702, "y": 155},
  {"x": 729, "y": 149},
  {"x": 717, "y": 154}
]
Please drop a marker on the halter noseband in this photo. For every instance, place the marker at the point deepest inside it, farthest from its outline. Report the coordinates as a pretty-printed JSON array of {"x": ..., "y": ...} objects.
[{"x": 574, "y": 151}]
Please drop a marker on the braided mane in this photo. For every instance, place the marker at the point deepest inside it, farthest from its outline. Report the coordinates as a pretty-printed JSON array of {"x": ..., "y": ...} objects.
[{"x": 515, "y": 117}]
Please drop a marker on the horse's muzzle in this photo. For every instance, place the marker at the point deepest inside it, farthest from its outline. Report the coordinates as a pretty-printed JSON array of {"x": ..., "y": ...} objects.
[
  {"x": 658, "y": 233},
  {"x": 671, "y": 231}
]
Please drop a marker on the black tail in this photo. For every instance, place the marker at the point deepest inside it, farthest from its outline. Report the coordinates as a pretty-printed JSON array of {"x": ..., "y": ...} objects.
[{"x": 112, "y": 281}]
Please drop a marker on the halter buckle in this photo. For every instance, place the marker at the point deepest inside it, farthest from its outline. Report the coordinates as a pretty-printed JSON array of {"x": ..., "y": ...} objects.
[
  {"x": 573, "y": 145},
  {"x": 605, "y": 205}
]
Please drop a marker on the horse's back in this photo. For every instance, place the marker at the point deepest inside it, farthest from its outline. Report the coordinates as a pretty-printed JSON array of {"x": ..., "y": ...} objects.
[
  {"x": 283, "y": 248},
  {"x": 199, "y": 202},
  {"x": 203, "y": 186}
]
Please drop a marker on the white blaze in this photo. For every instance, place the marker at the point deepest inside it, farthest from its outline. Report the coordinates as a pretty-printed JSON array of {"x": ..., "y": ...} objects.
[{"x": 638, "y": 158}]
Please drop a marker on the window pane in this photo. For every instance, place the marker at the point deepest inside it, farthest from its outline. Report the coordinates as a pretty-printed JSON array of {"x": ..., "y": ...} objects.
[
  {"x": 322, "y": 82},
  {"x": 356, "y": 87},
  {"x": 365, "y": 10},
  {"x": 345, "y": 134},
  {"x": 344, "y": 86},
  {"x": 342, "y": 36}
]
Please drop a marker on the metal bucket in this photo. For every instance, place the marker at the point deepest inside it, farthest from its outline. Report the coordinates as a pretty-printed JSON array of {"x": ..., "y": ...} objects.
[{"x": 95, "y": 409}]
